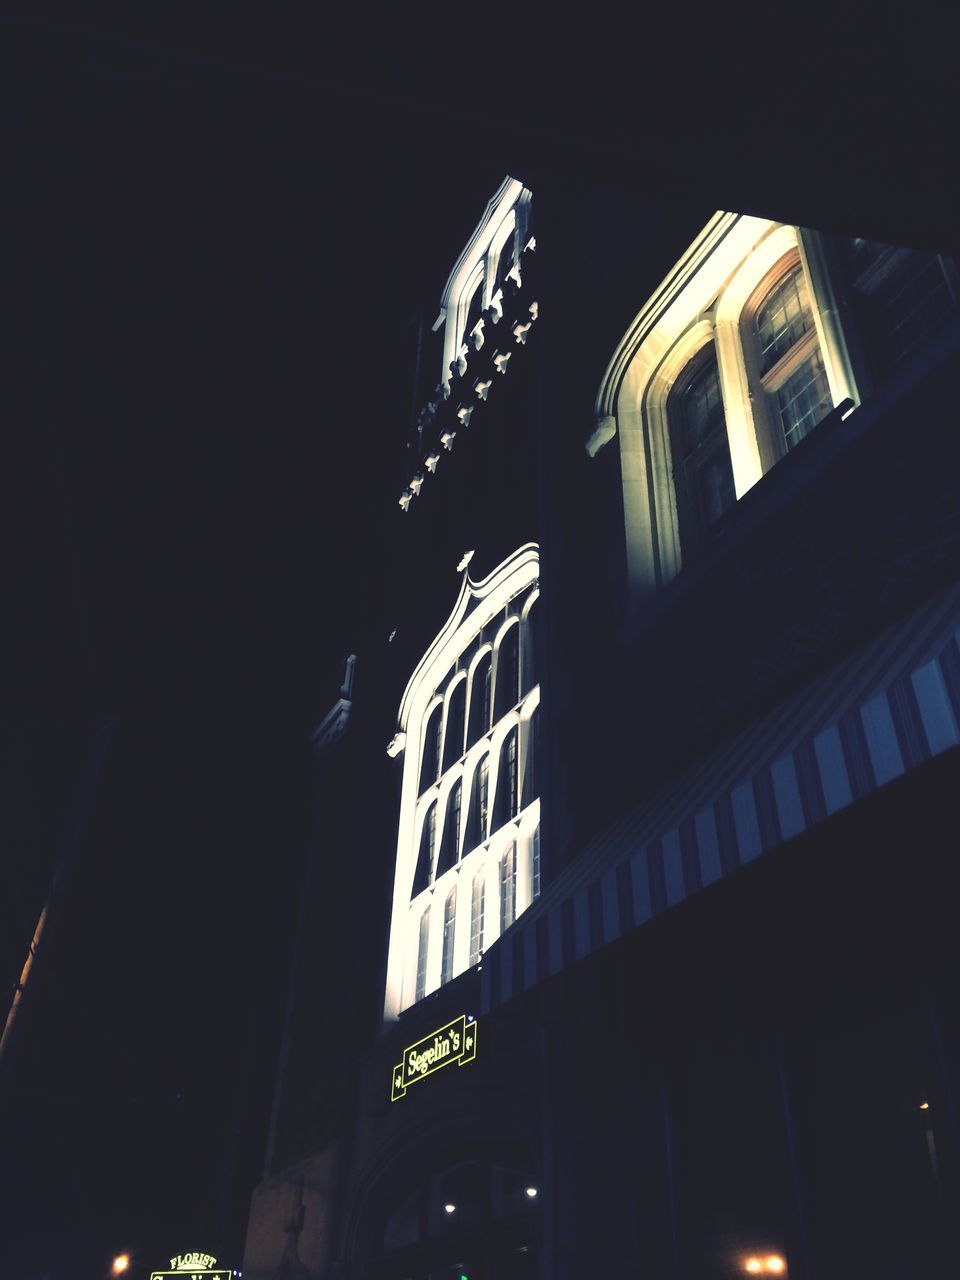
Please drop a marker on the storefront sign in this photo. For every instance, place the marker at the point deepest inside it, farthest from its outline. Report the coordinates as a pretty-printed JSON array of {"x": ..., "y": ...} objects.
[
  {"x": 454, "y": 1043},
  {"x": 193, "y": 1266}
]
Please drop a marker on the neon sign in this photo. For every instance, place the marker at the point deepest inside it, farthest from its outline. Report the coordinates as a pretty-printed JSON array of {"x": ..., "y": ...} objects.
[
  {"x": 454, "y": 1043},
  {"x": 193, "y": 1266}
]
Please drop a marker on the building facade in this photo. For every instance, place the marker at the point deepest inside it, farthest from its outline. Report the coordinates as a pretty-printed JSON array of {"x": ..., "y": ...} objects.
[{"x": 669, "y": 959}]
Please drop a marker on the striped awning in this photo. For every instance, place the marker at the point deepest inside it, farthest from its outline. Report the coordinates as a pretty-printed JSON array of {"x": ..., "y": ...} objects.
[{"x": 885, "y": 710}]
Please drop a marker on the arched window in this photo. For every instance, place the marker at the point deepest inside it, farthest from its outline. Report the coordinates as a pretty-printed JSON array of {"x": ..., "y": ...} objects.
[
  {"x": 423, "y": 944},
  {"x": 453, "y": 733},
  {"x": 428, "y": 842},
  {"x": 796, "y": 393},
  {"x": 507, "y": 675},
  {"x": 477, "y": 817},
  {"x": 702, "y": 472},
  {"x": 505, "y": 805},
  {"x": 430, "y": 766},
  {"x": 528, "y": 666},
  {"x": 450, "y": 840},
  {"x": 508, "y": 887},
  {"x": 477, "y": 893},
  {"x": 480, "y": 699},
  {"x": 449, "y": 920},
  {"x": 504, "y": 262}
]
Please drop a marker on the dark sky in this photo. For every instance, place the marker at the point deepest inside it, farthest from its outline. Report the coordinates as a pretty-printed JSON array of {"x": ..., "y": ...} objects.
[{"x": 217, "y": 229}]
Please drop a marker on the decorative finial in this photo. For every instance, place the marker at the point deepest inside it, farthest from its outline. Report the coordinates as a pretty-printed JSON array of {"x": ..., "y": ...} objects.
[{"x": 464, "y": 561}]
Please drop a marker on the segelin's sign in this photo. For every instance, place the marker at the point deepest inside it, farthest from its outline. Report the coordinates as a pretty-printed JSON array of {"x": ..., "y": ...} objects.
[{"x": 454, "y": 1043}]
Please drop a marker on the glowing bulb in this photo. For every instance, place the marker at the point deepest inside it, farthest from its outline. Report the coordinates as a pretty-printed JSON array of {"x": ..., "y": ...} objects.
[
  {"x": 776, "y": 1264},
  {"x": 924, "y": 1106},
  {"x": 753, "y": 1265},
  {"x": 121, "y": 1263},
  {"x": 449, "y": 1208},
  {"x": 531, "y": 1192}
]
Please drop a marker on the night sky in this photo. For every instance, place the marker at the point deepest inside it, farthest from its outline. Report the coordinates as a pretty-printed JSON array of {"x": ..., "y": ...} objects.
[{"x": 217, "y": 232}]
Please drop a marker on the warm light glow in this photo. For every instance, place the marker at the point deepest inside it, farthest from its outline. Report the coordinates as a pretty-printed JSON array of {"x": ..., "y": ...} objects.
[
  {"x": 753, "y": 1265},
  {"x": 449, "y": 1208},
  {"x": 531, "y": 1192},
  {"x": 121, "y": 1263},
  {"x": 776, "y": 1264},
  {"x": 924, "y": 1106}
]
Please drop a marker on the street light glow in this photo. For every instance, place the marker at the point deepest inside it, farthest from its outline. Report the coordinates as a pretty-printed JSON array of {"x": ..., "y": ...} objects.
[
  {"x": 121, "y": 1263},
  {"x": 753, "y": 1265},
  {"x": 776, "y": 1264}
]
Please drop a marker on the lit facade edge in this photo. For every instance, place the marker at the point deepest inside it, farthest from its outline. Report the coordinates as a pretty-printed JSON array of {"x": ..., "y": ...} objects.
[{"x": 477, "y": 605}]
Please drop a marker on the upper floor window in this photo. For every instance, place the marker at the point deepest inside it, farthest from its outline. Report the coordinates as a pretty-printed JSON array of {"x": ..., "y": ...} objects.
[
  {"x": 756, "y": 336},
  {"x": 795, "y": 391},
  {"x": 702, "y": 471}
]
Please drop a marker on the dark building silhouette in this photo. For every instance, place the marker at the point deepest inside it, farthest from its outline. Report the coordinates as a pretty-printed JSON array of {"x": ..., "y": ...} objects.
[{"x": 652, "y": 894}]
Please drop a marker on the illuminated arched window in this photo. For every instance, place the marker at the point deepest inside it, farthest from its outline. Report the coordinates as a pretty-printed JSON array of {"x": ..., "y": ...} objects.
[
  {"x": 796, "y": 394},
  {"x": 478, "y": 816},
  {"x": 508, "y": 887},
  {"x": 449, "y": 921},
  {"x": 477, "y": 894},
  {"x": 480, "y": 699},
  {"x": 530, "y": 759},
  {"x": 423, "y": 944},
  {"x": 505, "y": 805},
  {"x": 428, "y": 841},
  {"x": 430, "y": 765},
  {"x": 453, "y": 731},
  {"x": 702, "y": 472},
  {"x": 450, "y": 840},
  {"x": 528, "y": 672},
  {"x": 507, "y": 674}
]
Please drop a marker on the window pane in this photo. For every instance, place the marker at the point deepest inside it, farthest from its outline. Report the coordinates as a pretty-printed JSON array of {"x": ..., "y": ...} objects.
[
  {"x": 480, "y": 700},
  {"x": 476, "y": 918},
  {"x": 535, "y": 856},
  {"x": 508, "y": 888},
  {"x": 428, "y": 840},
  {"x": 449, "y": 922},
  {"x": 702, "y": 407},
  {"x": 422, "y": 955},
  {"x": 430, "y": 768},
  {"x": 803, "y": 400},
  {"x": 783, "y": 319},
  {"x": 453, "y": 733}
]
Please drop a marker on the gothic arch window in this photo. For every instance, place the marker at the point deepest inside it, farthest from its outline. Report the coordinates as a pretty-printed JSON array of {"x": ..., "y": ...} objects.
[
  {"x": 478, "y": 814},
  {"x": 506, "y": 675},
  {"x": 454, "y": 722},
  {"x": 480, "y": 691},
  {"x": 507, "y": 797},
  {"x": 430, "y": 766},
  {"x": 791, "y": 391},
  {"x": 528, "y": 665},
  {"x": 428, "y": 842},
  {"x": 464, "y": 796},
  {"x": 702, "y": 471},
  {"x": 450, "y": 837}
]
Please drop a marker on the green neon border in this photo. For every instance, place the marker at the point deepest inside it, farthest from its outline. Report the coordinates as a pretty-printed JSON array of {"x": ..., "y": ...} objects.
[{"x": 461, "y": 1059}]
